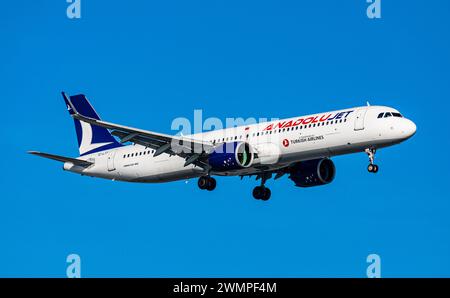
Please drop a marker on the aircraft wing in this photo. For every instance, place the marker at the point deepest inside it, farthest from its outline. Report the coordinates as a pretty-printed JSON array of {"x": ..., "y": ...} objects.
[{"x": 194, "y": 151}]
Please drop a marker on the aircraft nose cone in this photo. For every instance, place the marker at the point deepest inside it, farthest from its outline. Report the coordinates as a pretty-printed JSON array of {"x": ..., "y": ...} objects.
[{"x": 409, "y": 128}]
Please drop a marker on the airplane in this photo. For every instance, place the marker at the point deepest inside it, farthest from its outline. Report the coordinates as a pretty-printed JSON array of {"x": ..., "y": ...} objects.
[{"x": 300, "y": 147}]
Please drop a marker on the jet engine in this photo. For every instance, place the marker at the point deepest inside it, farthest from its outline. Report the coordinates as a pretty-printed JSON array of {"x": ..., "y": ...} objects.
[
  {"x": 231, "y": 156},
  {"x": 313, "y": 172}
]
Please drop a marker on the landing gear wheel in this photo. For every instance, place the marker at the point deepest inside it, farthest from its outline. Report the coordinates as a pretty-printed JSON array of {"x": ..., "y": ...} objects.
[
  {"x": 372, "y": 168},
  {"x": 202, "y": 182},
  {"x": 261, "y": 193},
  {"x": 207, "y": 183},
  {"x": 375, "y": 169},
  {"x": 211, "y": 184},
  {"x": 266, "y": 195},
  {"x": 258, "y": 192}
]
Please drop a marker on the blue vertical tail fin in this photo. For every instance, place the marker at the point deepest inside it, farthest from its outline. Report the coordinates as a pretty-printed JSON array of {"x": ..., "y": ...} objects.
[{"x": 91, "y": 138}]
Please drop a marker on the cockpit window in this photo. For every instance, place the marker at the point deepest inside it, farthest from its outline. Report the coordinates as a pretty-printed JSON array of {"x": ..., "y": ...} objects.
[{"x": 389, "y": 114}]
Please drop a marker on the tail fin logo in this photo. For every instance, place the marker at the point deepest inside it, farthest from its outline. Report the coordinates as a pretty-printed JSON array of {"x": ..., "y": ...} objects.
[
  {"x": 86, "y": 139},
  {"x": 91, "y": 138}
]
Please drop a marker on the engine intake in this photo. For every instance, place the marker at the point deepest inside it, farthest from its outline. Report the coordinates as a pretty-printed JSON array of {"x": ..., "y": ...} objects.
[
  {"x": 231, "y": 156},
  {"x": 313, "y": 172}
]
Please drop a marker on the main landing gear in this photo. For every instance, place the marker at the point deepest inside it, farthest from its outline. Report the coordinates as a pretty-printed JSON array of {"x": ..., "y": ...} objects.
[
  {"x": 262, "y": 192},
  {"x": 207, "y": 182},
  {"x": 372, "y": 168}
]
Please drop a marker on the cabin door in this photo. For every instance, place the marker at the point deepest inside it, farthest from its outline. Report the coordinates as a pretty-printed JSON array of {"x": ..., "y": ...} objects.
[
  {"x": 110, "y": 161},
  {"x": 359, "y": 120}
]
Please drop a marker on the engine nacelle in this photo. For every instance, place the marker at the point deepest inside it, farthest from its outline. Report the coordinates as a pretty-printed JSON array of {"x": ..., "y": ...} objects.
[
  {"x": 231, "y": 156},
  {"x": 313, "y": 172},
  {"x": 268, "y": 153}
]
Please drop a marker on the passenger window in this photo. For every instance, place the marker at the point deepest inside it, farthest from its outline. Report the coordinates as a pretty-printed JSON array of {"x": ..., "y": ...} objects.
[{"x": 380, "y": 115}]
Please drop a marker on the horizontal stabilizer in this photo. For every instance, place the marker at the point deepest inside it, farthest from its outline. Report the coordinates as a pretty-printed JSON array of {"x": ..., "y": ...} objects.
[{"x": 77, "y": 162}]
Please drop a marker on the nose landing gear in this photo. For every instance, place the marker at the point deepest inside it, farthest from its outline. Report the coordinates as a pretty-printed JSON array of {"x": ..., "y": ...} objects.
[
  {"x": 372, "y": 168},
  {"x": 207, "y": 182}
]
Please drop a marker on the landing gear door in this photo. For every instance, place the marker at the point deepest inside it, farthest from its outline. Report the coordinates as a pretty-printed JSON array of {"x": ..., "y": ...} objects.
[
  {"x": 359, "y": 119},
  {"x": 110, "y": 162}
]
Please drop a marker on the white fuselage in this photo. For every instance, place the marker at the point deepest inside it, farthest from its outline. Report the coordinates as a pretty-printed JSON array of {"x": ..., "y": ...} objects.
[{"x": 277, "y": 144}]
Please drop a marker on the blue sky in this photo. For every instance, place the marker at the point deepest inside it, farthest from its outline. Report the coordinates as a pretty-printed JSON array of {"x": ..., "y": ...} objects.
[{"x": 144, "y": 63}]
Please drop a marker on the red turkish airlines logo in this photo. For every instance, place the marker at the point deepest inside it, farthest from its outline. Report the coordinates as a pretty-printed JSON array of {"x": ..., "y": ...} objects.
[{"x": 285, "y": 142}]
